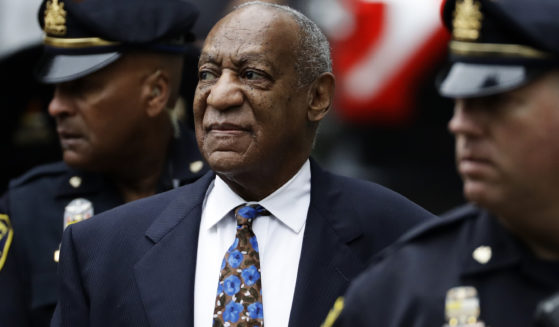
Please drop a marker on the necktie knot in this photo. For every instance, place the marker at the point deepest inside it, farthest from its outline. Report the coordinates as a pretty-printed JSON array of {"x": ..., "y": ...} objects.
[{"x": 246, "y": 213}]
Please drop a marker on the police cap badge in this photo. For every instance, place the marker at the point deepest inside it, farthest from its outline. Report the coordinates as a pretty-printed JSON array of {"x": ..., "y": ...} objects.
[
  {"x": 498, "y": 46},
  {"x": 81, "y": 37}
]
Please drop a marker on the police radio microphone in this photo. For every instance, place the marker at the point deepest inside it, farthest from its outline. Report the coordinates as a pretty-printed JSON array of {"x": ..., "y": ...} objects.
[{"x": 547, "y": 312}]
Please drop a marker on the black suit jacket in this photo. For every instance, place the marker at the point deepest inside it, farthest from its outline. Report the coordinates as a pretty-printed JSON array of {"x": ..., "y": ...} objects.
[{"x": 135, "y": 265}]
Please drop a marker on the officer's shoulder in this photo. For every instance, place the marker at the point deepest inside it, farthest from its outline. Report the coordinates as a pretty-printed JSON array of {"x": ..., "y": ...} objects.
[
  {"x": 409, "y": 271},
  {"x": 452, "y": 220},
  {"x": 434, "y": 229},
  {"x": 43, "y": 171}
]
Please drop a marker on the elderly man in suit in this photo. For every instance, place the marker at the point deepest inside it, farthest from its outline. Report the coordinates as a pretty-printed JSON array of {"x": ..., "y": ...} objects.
[{"x": 268, "y": 235}]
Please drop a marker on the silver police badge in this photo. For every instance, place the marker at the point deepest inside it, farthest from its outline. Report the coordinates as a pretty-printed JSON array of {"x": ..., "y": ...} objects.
[
  {"x": 462, "y": 307},
  {"x": 77, "y": 210}
]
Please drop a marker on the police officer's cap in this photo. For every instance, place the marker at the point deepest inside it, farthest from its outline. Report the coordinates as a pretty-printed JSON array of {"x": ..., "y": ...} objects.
[
  {"x": 83, "y": 36},
  {"x": 498, "y": 45}
]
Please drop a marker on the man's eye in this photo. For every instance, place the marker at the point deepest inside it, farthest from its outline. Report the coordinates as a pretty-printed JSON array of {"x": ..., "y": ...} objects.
[
  {"x": 250, "y": 74},
  {"x": 206, "y": 76}
]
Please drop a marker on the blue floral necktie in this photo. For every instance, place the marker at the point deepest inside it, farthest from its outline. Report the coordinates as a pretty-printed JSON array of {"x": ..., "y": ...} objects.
[{"x": 239, "y": 292}]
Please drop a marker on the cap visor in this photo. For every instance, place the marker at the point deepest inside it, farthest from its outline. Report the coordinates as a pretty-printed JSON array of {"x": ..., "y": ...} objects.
[
  {"x": 53, "y": 68},
  {"x": 465, "y": 80}
]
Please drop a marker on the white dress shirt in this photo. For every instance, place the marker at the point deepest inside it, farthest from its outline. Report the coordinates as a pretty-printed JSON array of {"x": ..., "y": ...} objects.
[{"x": 280, "y": 239}]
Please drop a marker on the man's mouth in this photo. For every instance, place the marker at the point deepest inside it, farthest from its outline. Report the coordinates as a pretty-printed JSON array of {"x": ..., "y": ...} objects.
[
  {"x": 226, "y": 128},
  {"x": 68, "y": 138},
  {"x": 471, "y": 164}
]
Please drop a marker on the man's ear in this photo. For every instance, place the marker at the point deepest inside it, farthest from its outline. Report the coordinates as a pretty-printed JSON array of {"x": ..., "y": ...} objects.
[
  {"x": 321, "y": 95},
  {"x": 156, "y": 92}
]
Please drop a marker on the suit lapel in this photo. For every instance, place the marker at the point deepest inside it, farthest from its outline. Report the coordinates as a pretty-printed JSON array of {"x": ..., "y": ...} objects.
[
  {"x": 165, "y": 274},
  {"x": 327, "y": 263}
]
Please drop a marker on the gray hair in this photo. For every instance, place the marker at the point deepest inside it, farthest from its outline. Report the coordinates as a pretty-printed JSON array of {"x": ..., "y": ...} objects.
[{"x": 313, "y": 52}]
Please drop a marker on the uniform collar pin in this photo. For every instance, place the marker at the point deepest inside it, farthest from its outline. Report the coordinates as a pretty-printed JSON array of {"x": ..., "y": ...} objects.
[
  {"x": 75, "y": 181},
  {"x": 482, "y": 254},
  {"x": 196, "y": 166}
]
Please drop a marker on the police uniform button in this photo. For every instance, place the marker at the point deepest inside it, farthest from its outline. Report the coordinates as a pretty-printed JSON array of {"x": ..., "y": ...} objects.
[
  {"x": 196, "y": 166},
  {"x": 75, "y": 181},
  {"x": 482, "y": 254}
]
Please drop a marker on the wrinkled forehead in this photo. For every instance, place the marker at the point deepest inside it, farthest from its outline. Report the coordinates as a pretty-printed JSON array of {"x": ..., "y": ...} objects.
[{"x": 253, "y": 29}]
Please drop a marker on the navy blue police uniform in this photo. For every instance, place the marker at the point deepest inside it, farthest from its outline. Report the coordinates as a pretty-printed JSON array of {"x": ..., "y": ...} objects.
[
  {"x": 37, "y": 204},
  {"x": 419, "y": 281},
  {"x": 81, "y": 38},
  {"x": 467, "y": 269}
]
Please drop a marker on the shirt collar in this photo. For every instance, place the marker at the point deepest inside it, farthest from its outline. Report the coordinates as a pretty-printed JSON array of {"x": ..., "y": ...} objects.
[{"x": 285, "y": 203}]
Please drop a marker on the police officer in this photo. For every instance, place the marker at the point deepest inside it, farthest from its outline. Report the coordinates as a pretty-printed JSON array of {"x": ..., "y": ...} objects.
[
  {"x": 490, "y": 262},
  {"x": 116, "y": 67}
]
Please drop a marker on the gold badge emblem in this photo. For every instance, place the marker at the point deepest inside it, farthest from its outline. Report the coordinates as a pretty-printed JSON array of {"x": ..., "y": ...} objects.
[
  {"x": 462, "y": 307},
  {"x": 467, "y": 20},
  {"x": 55, "y": 18}
]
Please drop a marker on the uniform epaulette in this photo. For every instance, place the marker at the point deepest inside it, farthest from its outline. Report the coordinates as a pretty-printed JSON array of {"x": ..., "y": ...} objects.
[
  {"x": 446, "y": 221},
  {"x": 51, "y": 169}
]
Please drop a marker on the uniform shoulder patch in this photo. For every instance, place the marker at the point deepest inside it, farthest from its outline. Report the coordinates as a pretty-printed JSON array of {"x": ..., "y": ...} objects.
[{"x": 6, "y": 235}]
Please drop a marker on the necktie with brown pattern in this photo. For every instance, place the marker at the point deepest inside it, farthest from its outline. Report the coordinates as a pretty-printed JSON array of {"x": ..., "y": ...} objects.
[{"x": 239, "y": 292}]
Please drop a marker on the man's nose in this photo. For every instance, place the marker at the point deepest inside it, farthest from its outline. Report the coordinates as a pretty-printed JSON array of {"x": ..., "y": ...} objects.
[
  {"x": 60, "y": 105},
  {"x": 465, "y": 120},
  {"x": 226, "y": 92}
]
